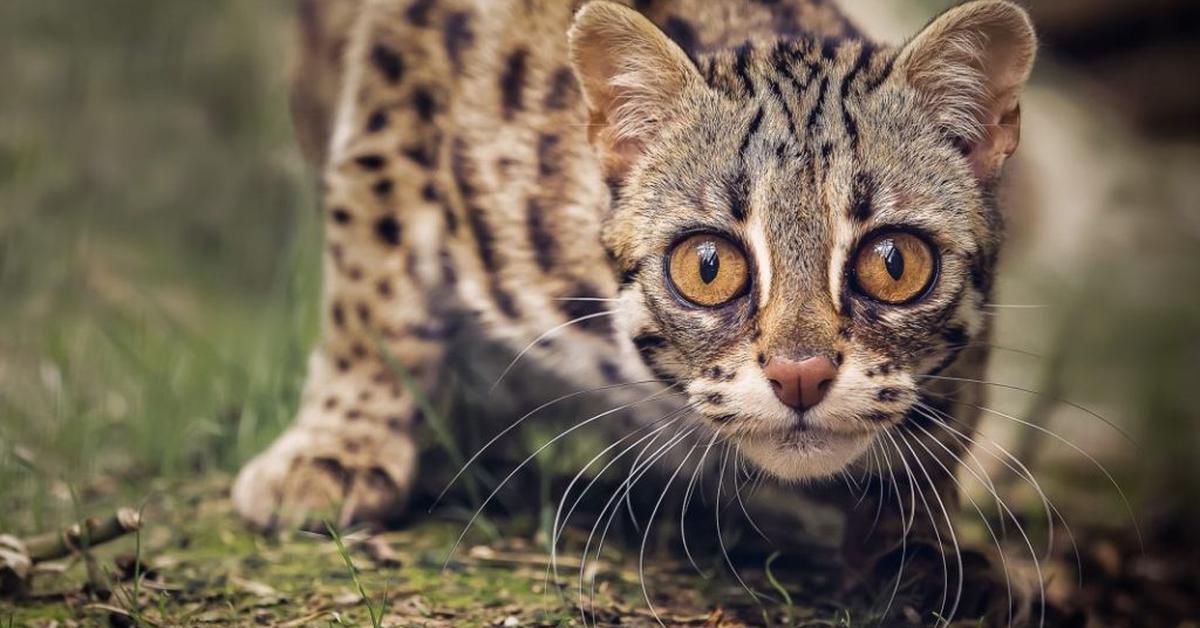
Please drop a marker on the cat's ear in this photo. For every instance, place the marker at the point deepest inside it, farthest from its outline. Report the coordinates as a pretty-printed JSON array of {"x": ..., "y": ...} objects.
[
  {"x": 971, "y": 63},
  {"x": 633, "y": 77}
]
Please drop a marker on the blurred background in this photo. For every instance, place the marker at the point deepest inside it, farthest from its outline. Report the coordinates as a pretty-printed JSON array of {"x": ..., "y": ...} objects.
[{"x": 159, "y": 254}]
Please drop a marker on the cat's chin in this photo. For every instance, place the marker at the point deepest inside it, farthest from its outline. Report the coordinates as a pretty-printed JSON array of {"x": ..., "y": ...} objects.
[{"x": 811, "y": 454}]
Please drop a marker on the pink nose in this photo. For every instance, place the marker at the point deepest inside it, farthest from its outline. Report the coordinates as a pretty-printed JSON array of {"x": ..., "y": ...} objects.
[{"x": 801, "y": 384}]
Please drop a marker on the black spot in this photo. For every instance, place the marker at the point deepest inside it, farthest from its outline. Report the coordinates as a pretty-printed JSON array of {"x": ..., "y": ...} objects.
[
  {"x": 737, "y": 193},
  {"x": 512, "y": 82},
  {"x": 364, "y": 313},
  {"x": 683, "y": 33},
  {"x": 340, "y": 215},
  {"x": 888, "y": 394},
  {"x": 389, "y": 63},
  {"x": 418, "y": 13},
  {"x": 424, "y": 103},
  {"x": 382, "y": 187},
  {"x": 342, "y": 364},
  {"x": 420, "y": 155},
  {"x": 359, "y": 350},
  {"x": 371, "y": 162},
  {"x": 384, "y": 288},
  {"x": 610, "y": 370},
  {"x": 716, "y": 399},
  {"x": 457, "y": 37},
  {"x": 829, "y": 48},
  {"x": 713, "y": 372},
  {"x": 377, "y": 121},
  {"x": 863, "y": 193},
  {"x": 388, "y": 230},
  {"x": 562, "y": 89},
  {"x": 541, "y": 237},
  {"x": 338, "y": 314},
  {"x": 429, "y": 192},
  {"x": 648, "y": 342}
]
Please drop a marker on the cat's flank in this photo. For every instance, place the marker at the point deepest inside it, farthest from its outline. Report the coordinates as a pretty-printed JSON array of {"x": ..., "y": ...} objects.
[{"x": 790, "y": 230}]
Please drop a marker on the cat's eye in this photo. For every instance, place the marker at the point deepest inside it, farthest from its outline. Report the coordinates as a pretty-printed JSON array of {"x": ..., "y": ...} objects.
[
  {"x": 708, "y": 270},
  {"x": 895, "y": 267}
]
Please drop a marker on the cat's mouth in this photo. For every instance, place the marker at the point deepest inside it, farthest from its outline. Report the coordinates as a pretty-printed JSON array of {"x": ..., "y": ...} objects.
[{"x": 811, "y": 452}]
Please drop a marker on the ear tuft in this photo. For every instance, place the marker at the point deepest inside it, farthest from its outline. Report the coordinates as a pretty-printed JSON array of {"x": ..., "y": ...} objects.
[
  {"x": 632, "y": 75},
  {"x": 971, "y": 63}
]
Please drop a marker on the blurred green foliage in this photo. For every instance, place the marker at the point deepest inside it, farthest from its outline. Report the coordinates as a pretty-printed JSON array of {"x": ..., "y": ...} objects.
[{"x": 158, "y": 242}]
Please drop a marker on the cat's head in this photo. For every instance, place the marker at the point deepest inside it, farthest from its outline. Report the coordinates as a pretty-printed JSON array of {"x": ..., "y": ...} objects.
[{"x": 804, "y": 228}]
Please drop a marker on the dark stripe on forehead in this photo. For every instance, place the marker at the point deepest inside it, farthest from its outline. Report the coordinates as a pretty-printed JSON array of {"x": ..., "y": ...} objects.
[
  {"x": 866, "y": 51},
  {"x": 737, "y": 194},
  {"x": 755, "y": 123},
  {"x": 815, "y": 112},
  {"x": 787, "y": 110},
  {"x": 862, "y": 197},
  {"x": 881, "y": 76}
]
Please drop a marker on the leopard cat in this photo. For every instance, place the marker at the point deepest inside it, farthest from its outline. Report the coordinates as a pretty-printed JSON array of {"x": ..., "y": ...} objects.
[{"x": 743, "y": 213}]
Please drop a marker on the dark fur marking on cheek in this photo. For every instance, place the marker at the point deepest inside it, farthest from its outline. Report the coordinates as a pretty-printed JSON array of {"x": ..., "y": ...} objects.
[
  {"x": 562, "y": 89},
  {"x": 715, "y": 399},
  {"x": 512, "y": 83},
  {"x": 888, "y": 394},
  {"x": 724, "y": 418},
  {"x": 648, "y": 342},
  {"x": 575, "y": 309},
  {"x": 878, "y": 417},
  {"x": 340, "y": 215},
  {"x": 457, "y": 36},
  {"x": 541, "y": 237},
  {"x": 713, "y": 372},
  {"x": 364, "y": 313},
  {"x": 389, "y": 63},
  {"x": 628, "y": 276},
  {"x": 610, "y": 371},
  {"x": 338, "y": 315},
  {"x": 862, "y": 197},
  {"x": 388, "y": 230}
]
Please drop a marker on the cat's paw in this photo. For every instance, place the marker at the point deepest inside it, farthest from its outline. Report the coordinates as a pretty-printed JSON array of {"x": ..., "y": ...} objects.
[{"x": 343, "y": 476}]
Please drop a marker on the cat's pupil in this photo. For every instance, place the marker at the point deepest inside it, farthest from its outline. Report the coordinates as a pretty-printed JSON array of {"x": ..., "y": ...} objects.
[
  {"x": 710, "y": 262},
  {"x": 893, "y": 260}
]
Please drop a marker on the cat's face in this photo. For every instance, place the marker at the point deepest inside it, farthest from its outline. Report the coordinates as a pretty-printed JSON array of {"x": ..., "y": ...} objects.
[{"x": 803, "y": 205}]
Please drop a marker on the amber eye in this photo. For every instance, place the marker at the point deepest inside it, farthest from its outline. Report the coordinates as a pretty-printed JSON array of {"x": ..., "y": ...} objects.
[
  {"x": 894, "y": 267},
  {"x": 708, "y": 270}
]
